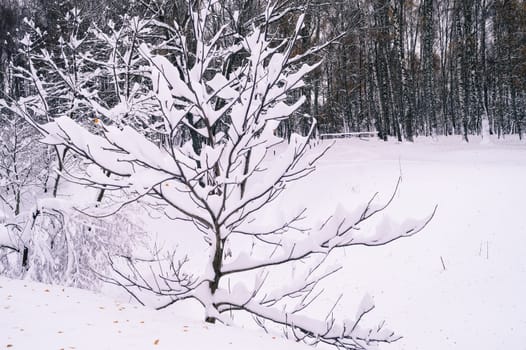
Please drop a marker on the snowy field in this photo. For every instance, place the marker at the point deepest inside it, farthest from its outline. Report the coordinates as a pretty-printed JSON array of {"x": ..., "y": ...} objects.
[
  {"x": 459, "y": 284},
  {"x": 37, "y": 316}
]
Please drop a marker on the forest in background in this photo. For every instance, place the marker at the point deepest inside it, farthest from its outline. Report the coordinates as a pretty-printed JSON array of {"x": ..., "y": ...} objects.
[{"x": 402, "y": 68}]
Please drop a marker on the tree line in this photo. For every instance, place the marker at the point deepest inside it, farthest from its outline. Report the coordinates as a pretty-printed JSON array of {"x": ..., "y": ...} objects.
[
  {"x": 404, "y": 68},
  {"x": 430, "y": 67}
]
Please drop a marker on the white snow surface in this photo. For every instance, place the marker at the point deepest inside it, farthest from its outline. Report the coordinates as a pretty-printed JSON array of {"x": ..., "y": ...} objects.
[
  {"x": 477, "y": 301},
  {"x": 39, "y": 316}
]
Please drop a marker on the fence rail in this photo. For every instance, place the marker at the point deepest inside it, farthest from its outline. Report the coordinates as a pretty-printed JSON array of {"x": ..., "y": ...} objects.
[{"x": 359, "y": 134}]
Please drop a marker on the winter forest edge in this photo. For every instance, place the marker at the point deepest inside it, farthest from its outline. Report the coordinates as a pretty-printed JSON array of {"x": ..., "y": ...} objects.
[{"x": 200, "y": 115}]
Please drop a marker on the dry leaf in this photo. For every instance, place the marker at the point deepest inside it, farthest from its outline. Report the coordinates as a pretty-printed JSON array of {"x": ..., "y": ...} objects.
[{"x": 156, "y": 342}]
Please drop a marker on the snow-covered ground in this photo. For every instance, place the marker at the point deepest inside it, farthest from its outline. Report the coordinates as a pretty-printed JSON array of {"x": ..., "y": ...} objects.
[
  {"x": 459, "y": 284},
  {"x": 38, "y": 316}
]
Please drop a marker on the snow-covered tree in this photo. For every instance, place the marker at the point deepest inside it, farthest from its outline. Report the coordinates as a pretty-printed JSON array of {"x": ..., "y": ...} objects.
[
  {"x": 207, "y": 153},
  {"x": 88, "y": 73},
  {"x": 19, "y": 163},
  {"x": 22, "y": 178}
]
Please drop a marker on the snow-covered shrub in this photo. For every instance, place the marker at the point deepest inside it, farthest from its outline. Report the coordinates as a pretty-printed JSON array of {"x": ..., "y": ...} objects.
[
  {"x": 8, "y": 250},
  {"x": 58, "y": 245},
  {"x": 205, "y": 151}
]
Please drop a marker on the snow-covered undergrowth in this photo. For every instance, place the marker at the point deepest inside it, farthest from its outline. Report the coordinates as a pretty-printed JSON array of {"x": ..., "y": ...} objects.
[{"x": 459, "y": 284}]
